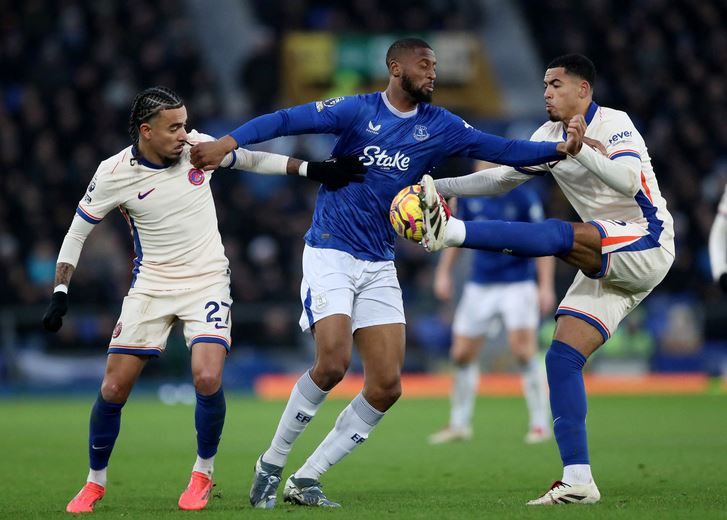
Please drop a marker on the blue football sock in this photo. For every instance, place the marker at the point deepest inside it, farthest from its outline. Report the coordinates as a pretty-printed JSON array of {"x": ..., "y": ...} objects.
[
  {"x": 103, "y": 429},
  {"x": 564, "y": 365},
  {"x": 209, "y": 418},
  {"x": 548, "y": 238}
]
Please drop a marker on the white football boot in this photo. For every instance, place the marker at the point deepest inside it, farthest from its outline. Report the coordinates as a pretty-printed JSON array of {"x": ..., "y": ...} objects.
[
  {"x": 562, "y": 493},
  {"x": 435, "y": 215}
]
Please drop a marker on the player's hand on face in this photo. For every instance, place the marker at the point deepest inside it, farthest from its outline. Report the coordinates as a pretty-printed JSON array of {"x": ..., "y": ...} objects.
[
  {"x": 53, "y": 317},
  {"x": 337, "y": 172},
  {"x": 208, "y": 155},
  {"x": 596, "y": 145},
  {"x": 576, "y": 131}
]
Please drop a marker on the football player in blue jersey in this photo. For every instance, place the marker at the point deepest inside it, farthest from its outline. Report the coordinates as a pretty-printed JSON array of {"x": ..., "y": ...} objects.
[
  {"x": 350, "y": 291},
  {"x": 500, "y": 288}
]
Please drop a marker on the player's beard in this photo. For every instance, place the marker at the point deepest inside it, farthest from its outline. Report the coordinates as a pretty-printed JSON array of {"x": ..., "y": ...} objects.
[{"x": 419, "y": 95}]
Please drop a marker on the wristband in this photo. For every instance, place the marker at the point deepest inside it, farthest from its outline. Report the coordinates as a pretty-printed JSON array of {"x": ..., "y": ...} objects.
[
  {"x": 303, "y": 169},
  {"x": 233, "y": 159},
  {"x": 61, "y": 287}
]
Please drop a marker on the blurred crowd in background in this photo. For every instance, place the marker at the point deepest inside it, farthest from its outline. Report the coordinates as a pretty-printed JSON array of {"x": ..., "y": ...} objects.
[{"x": 71, "y": 68}]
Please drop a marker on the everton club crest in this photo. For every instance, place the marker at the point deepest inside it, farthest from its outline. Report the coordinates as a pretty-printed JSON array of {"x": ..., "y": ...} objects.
[{"x": 421, "y": 133}]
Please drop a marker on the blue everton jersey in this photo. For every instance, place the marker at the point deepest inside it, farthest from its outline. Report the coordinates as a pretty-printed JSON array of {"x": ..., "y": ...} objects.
[
  {"x": 520, "y": 204},
  {"x": 397, "y": 147}
]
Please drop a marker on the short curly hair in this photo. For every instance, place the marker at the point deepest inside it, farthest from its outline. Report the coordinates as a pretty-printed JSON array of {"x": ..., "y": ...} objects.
[
  {"x": 404, "y": 44},
  {"x": 149, "y": 103}
]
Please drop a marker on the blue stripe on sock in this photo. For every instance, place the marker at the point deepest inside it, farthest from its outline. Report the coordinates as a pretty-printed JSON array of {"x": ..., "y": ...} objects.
[{"x": 564, "y": 366}]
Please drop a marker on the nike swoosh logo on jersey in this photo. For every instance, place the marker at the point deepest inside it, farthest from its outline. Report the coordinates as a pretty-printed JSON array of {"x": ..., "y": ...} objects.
[
  {"x": 218, "y": 326},
  {"x": 142, "y": 195}
]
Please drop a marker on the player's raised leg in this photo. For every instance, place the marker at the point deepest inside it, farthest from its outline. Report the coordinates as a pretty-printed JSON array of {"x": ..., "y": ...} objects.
[
  {"x": 122, "y": 371},
  {"x": 333, "y": 356},
  {"x": 382, "y": 353},
  {"x": 208, "y": 360},
  {"x": 574, "y": 341},
  {"x": 551, "y": 237}
]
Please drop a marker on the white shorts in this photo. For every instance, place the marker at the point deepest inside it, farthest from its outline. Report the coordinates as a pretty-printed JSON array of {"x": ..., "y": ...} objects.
[
  {"x": 515, "y": 303},
  {"x": 335, "y": 282},
  {"x": 632, "y": 264},
  {"x": 147, "y": 318}
]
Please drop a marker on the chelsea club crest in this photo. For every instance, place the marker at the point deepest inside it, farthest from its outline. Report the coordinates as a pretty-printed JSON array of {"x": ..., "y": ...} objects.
[{"x": 421, "y": 133}]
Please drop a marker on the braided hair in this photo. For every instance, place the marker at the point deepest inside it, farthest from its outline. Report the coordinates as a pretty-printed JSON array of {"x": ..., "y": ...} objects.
[{"x": 149, "y": 103}]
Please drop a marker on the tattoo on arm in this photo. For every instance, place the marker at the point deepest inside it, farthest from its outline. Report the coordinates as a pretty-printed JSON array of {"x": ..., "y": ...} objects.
[
  {"x": 293, "y": 166},
  {"x": 63, "y": 273}
]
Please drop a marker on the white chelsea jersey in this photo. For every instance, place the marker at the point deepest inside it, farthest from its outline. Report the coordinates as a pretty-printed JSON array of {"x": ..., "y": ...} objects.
[
  {"x": 171, "y": 216},
  {"x": 590, "y": 196}
]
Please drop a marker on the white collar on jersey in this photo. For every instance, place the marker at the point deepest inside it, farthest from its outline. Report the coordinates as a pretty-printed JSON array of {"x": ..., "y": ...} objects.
[{"x": 396, "y": 112}]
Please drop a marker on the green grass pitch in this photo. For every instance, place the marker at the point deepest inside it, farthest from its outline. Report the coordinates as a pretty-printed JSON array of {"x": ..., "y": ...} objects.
[{"x": 653, "y": 457}]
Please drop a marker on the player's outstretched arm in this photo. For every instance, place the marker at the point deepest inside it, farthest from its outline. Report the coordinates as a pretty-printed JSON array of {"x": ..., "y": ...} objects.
[
  {"x": 333, "y": 173},
  {"x": 321, "y": 117},
  {"x": 67, "y": 261},
  {"x": 468, "y": 141},
  {"x": 490, "y": 181}
]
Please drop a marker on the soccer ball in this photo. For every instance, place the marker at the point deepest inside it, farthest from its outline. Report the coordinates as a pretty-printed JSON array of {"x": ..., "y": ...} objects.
[{"x": 406, "y": 214}]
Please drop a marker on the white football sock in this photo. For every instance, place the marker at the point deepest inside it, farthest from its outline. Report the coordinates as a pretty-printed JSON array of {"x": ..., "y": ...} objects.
[
  {"x": 206, "y": 466},
  {"x": 97, "y": 476},
  {"x": 577, "y": 474},
  {"x": 352, "y": 428},
  {"x": 305, "y": 399},
  {"x": 455, "y": 233},
  {"x": 464, "y": 390},
  {"x": 535, "y": 388}
]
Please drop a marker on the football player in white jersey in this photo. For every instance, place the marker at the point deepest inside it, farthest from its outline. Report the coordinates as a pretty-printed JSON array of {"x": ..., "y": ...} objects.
[
  {"x": 624, "y": 247},
  {"x": 180, "y": 273},
  {"x": 718, "y": 244}
]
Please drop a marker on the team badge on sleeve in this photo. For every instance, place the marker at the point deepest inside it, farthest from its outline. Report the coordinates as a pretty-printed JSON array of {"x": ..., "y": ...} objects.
[
  {"x": 328, "y": 103},
  {"x": 196, "y": 176}
]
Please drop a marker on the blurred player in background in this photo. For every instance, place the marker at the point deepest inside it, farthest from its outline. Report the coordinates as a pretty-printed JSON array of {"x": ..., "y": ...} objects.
[
  {"x": 180, "y": 273},
  {"x": 718, "y": 244},
  {"x": 350, "y": 291},
  {"x": 624, "y": 247},
  {"x": 499, "y": 287}
]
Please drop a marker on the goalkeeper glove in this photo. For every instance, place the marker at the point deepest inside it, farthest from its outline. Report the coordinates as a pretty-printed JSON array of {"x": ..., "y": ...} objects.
[
  {"x": 336, "y": 172},
  {"x": 723, "y": 282},
  {"x": 53, "y": 317}
]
